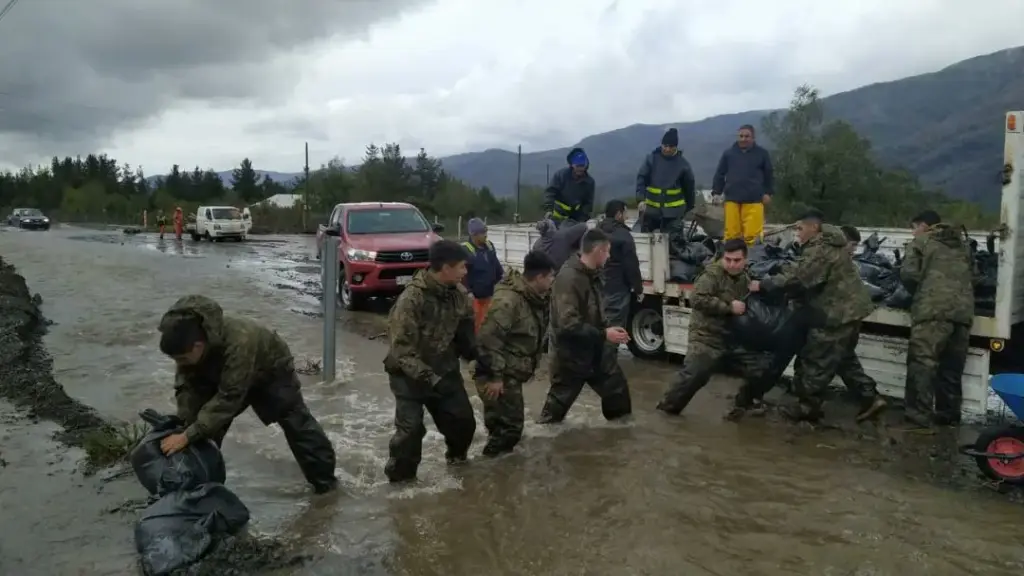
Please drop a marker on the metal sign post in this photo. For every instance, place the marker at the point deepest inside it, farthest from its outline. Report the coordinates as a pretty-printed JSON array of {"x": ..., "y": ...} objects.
[{"x": 329, "y": 279}]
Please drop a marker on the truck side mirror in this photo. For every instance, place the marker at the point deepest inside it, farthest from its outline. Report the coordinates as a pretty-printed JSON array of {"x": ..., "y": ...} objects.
[
  {"x": 333, "y": 230},
  {"x": 438, "y": 227}
]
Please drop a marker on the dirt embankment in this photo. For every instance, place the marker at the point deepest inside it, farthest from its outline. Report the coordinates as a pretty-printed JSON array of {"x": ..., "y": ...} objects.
[{"x": 26, "y": 371}]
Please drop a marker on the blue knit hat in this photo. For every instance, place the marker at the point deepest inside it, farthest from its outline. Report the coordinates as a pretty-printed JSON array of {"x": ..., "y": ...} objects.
[{"x": 579, "y": 158}]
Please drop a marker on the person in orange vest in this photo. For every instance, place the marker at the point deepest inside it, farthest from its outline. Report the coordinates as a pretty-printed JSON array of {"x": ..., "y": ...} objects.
[
  {"x": 179, "y": 222},
  {"x": 484, "y": 270}
]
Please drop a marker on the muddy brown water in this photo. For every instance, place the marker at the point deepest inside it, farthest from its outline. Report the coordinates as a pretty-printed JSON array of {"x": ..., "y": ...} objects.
[{"x": 658, "y": 495}]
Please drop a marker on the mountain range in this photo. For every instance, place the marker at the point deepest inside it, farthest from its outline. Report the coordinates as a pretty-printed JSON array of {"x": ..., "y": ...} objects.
[{"x": 944, "y": 126}]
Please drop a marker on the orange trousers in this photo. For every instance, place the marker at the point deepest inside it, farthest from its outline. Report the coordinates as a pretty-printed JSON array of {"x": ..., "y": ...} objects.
[
  {"x": 744, "y": 221},
  {"x": 480, "y": 306}
]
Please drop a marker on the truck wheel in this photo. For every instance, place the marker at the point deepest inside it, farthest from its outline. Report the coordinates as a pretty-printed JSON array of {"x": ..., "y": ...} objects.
[
  {"x": 351, "y": 301},
  {"x": 196, "y": 237},
  {"x": 646, "y": 331}
]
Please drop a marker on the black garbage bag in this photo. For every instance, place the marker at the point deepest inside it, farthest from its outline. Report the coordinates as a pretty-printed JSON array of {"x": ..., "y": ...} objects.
[
  {"x": 766, "y": 323},
  {"x": 180, "y": 527},
  {"x": 767, "y": 259},
  {"x": 679, "y": 271},
  {"x": 870, "y": 254},
  {"x": 878, "y": 294},
  {"x": 199, "y": 463},
  {"x": 900, "y": 299}
]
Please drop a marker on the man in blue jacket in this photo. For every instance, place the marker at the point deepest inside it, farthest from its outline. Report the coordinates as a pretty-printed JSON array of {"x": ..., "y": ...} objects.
[
  {"x": 570, "y": 194},
  {"x": 483, "y": 269},
  {"x": 745, "y": 178}
]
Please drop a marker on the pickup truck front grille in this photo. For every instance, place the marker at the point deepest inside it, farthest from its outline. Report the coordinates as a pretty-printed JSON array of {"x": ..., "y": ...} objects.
[{"x": 396, "y": 257}]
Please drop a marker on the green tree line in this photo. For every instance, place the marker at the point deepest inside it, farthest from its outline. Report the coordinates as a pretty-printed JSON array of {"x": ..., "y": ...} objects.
[
  {"x": 822, "y": 164},
  {"x": 828, "y": 166}
]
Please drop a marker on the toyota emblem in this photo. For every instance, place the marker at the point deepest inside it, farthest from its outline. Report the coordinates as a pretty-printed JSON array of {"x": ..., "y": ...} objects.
[{"x": 406, "y": 256}]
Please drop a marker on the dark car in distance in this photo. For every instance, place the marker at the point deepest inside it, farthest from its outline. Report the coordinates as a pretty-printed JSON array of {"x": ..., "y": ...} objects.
[{"x": 28, "y": 218}]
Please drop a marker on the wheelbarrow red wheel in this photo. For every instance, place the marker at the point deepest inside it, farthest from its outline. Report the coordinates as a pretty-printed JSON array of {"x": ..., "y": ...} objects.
[{"x": 1009, "y": 441}]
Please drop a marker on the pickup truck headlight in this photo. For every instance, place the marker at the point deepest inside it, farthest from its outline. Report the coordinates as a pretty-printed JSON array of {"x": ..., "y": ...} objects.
[
  {"x": 360, "y": 255},
  {"x": 47, "y": 220}
]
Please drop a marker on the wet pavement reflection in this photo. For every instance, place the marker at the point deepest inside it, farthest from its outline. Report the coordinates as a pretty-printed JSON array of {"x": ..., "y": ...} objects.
[{"x": 658, "y": 495}]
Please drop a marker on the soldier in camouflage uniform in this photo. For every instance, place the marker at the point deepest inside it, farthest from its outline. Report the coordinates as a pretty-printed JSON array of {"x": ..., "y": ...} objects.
[
  {"x": 937, "y": 271},
  {"x": 717, "y": 296},
  {"x": 510, "y": 344},
  {"x": 835, "y": 301},
  {"x": 226, "y": 364},
  {"x": 430, "y": 327},
  {"x": 585, "y": 348}
]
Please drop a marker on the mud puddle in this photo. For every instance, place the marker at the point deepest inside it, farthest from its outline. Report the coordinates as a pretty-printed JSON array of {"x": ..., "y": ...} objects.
[{"x": 690, "y": 495}]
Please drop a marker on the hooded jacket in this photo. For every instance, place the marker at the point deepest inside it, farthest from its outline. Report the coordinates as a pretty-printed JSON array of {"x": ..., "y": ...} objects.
[
  {"x": 937, "y": 270},
  {"x": 429, "y": 327},
  {"x": 828, "y": 280},
  {"x": 244, "y": 363},
  {"x": 622, "y": 270},
  {"x": 568, "y": 197},
  {"x": 561, "y": 243},
  {"x": 511, "y": 338},
  {"x": 484, "y": 270}
]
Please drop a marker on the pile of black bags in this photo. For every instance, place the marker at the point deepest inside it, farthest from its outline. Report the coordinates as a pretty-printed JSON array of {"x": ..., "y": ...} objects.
[
  {"x": 192, "y": 508},
  {"x": 688, "y": 253}
]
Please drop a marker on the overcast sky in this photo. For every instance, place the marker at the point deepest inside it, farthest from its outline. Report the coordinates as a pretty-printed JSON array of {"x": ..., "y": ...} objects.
[{"x": 207, "y": 82}]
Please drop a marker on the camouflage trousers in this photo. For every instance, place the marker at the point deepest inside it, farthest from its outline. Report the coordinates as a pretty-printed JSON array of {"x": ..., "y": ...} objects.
[
  {"x": 449, "y": 407},
  {"x": 606, "y": 379},
  {"x": 826, "y": 353},
  {"x": 703, "y": 360},
  {"x": 935, "y": 365},
  {"x": 503, "y": 417}
]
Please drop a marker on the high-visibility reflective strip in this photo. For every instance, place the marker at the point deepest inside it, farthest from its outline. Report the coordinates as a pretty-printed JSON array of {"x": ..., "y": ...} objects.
[
  {"x": 472, "y": 247},
  {"x": 670, "y": 192},
  {"x": 567, "y": 210}
]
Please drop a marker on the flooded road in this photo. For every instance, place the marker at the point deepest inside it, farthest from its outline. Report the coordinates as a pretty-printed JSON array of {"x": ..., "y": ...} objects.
[{"x": 659, "y": 495}]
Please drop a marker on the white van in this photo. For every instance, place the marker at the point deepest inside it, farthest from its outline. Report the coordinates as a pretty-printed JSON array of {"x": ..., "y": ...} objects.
[{"x": 219, "y": 222}]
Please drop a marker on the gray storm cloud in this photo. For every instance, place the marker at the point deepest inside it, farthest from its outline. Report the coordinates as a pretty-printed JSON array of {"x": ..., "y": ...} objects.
[{"x": 72, "y": 73}]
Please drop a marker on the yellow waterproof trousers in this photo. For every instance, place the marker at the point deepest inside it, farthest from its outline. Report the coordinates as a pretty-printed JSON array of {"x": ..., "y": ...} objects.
[{"x": 744, "y": 221}]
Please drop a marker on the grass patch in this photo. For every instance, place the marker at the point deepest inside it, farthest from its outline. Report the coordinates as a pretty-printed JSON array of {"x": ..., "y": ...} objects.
[{"x": 111, "y": 445}]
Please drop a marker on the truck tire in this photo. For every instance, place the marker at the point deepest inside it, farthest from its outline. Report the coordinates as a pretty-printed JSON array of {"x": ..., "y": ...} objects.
[
  {"x": 646, "y": 330},
  {"x": 351, "y": 301}
]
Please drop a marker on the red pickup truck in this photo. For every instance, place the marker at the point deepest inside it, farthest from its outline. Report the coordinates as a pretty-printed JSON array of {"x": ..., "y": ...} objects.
[{"x": 382, "y": 245}]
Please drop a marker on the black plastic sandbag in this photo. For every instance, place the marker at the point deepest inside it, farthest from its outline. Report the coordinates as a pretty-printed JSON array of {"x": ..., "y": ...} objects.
[
  {"x": 766, "y": 323},
  {"x": 767, "y": 259},
  {"x": 180, "y": 527},
  {"x": 679, "y": 271},
  {"x": 900, "y": 299},
  {"x": 199, "y": 463}
]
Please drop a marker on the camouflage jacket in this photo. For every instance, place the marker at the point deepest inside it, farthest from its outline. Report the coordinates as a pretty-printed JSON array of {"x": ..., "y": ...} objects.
[
  {"x": 511, "y": 338},
  {"x": 242, "y": 362},
  {"x": 577, "y": 317},
  {"x": 830, "y": 286},
  {"x": 711, "y": 300},
  {"x": 937, "y": 271},
  {"x": 429, "y": 327}
]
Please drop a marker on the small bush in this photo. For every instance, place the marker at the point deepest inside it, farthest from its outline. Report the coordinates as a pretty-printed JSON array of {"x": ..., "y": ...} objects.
[{"x": 112, "y": 444}]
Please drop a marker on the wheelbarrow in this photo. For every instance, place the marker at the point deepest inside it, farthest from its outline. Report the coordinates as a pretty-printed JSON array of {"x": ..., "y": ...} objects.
[{"x": 999, "y": 452}]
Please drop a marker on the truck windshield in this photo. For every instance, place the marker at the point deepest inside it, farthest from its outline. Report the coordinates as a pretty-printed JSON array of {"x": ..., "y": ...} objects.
[
  {"x": 31, "y": 212},
  {"x": 390, "y": 221},
  {"x": 227, "y": 214}
]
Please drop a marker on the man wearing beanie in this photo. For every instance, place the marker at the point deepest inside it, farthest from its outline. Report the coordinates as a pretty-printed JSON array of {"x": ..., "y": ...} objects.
[
  {"x": 665, "y": 185},
  {"x": 570, "y": 194},
  {"x": 483, "y": 269},
  {"x": 745, "y": 178}
]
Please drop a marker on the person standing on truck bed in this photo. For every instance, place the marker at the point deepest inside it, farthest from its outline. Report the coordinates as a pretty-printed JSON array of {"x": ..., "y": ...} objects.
[
  {"x": 430, "y": 327},
  {"x": 665, "y": 186},
  {"x": 745, "y": 178},
  {"x": 717, "y": 296},
  {"x": 226, "y": 364},
  {"x": 622, "y": 280},
  {"x": 570, "y": 194},
  {"x": 483, "y": 269},
  {"x": 834, "y": 301},
  {"x": 511, "y": 343},
  {"x": 937, "y": 272},
  {"x": 585, "y": 348}
]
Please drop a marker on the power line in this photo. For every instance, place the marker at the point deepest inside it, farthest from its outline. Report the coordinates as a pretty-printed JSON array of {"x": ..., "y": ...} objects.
[{"x": 7, "y": 8}]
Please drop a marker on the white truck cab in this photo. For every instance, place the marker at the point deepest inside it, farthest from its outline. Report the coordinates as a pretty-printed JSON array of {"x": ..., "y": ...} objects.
[
  {"x": 658, "y": 326},
  {"x": 216, "y": 223}
]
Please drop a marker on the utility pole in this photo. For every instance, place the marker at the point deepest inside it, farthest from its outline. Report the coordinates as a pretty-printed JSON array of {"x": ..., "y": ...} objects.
[
  {"x": 547, "y": 173},
  {"x": 519, "y": 174},
  {"x": 305, "y": 190}
]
